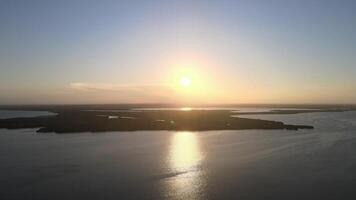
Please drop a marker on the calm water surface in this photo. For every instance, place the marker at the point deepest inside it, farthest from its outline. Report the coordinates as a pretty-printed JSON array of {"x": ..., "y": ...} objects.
[
  {"x": 5, "y": 114},
  {"x": 254, "y": 164}
]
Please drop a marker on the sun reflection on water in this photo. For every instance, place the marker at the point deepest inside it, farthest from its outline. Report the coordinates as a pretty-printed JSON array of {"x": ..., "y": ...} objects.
[
  {"x": 186, "y": 109},
  {"x": 184, "y": 160},
  {"x": 185, "y": 153}
]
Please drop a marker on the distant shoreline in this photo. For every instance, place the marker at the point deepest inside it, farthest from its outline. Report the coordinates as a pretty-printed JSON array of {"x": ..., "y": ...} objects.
[
  {"x": 101, "y": 121},
  {"x": 94, "y": 118},
  {"x": 62, "y": 107}
]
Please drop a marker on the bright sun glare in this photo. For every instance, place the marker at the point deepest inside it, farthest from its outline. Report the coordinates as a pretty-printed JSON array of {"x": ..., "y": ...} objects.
[{"x": 184, "y": 81}]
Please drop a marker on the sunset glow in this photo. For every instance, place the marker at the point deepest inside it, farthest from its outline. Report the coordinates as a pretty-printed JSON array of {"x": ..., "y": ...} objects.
[
  {"x": 167, "y": 53},
  {"x": 185, "y": 81}
]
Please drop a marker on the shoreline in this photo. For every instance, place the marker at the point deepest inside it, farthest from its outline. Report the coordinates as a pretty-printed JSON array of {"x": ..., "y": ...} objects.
[{"x": 103, "y": 121}]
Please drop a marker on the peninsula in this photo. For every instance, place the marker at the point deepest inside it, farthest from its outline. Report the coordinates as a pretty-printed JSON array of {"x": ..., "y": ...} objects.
[{"x": 71, "y": 121}]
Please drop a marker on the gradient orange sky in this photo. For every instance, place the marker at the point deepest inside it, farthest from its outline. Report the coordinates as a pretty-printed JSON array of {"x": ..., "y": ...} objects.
[{"x": 137, "y": 52}]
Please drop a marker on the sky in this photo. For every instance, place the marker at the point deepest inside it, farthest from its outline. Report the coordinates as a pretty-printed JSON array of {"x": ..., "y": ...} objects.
[{"x": 86, "y": 51}]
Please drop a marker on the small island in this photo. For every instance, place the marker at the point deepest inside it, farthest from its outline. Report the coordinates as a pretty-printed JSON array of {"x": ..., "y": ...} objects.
[{"x": 74, "y": 121}]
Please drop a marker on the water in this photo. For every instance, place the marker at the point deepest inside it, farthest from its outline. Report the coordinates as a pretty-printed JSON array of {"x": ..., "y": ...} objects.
[
  {"x": 253, "y": 164},
  {"x": 6, "y": 114},
  {"x": 232, "y": 109},
  {"x": 235, "y": 109}
]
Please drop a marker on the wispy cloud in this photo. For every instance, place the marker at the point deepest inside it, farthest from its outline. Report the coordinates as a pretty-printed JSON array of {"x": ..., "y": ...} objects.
[
  {"x": 117, "y": 87},
  {"x": 126, "y": 92}
]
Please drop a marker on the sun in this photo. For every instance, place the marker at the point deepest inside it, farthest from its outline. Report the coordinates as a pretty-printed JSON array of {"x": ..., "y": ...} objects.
[{"x": 185, "y": 81}]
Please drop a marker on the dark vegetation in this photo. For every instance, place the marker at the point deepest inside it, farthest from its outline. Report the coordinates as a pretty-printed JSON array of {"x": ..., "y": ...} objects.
[{"x": 76, "y": 120}]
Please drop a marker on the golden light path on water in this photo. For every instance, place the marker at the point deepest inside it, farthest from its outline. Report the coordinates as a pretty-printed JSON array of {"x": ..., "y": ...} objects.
[
  {"x": 185, "y": 159},
  {"x": 185, "y": 152}
]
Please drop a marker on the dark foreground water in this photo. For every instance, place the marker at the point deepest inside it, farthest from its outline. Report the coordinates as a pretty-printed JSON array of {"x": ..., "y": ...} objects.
[{"x": 253, "y": 164}]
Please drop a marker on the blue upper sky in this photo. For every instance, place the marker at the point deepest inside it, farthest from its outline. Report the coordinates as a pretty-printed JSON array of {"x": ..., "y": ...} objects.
[{"x": 86, "y": 51}]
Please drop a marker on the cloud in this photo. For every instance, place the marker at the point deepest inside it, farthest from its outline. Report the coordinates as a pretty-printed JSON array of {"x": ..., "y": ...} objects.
[
  {"x": 115, "y": 87},
  {"x": 108, "y": 92}
]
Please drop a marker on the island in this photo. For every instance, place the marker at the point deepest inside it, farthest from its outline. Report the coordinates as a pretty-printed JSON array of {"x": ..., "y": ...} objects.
[{"x": 76, "y": 120}]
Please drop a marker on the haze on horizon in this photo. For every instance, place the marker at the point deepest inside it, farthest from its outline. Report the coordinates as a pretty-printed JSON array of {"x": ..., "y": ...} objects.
[{"x": 177, "y": 51}]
